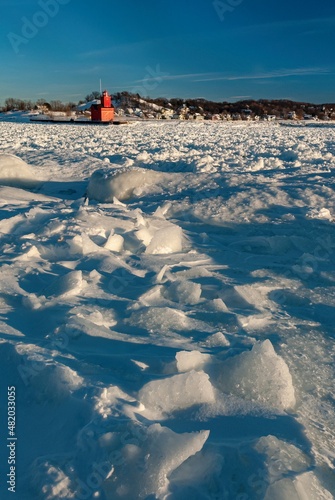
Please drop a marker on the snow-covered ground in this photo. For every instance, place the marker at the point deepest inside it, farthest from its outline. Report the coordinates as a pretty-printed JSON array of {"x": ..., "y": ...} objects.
[{"x": 169, "y": 323}]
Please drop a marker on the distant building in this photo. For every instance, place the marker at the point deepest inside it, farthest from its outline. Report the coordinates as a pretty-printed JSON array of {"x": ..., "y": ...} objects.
[
  {"x": 103, "y": 112},
  {"x": 269, "y": 118},
  {"x": 167, "y": 113}
]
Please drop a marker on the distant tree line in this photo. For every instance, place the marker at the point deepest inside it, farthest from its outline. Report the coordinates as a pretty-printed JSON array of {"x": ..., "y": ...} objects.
[
  {"x": 280, "y": 108},
  {"x": 12, "y": 104}
]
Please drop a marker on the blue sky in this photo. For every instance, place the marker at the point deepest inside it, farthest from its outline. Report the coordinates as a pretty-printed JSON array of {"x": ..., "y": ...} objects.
[{"x": 269, "y": 49}]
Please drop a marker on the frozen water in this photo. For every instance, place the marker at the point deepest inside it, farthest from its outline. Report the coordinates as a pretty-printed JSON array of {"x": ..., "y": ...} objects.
[
  {"x": 162, "y": 319},
  {"x": 166, "y": 240},
  {"x": 306, "y": 486},
  {"x": 204, "y": 300},
  {"x": 260, "y": 375},
  {"x": 282, "y": 457},
  {"x": 185, "y": 292},
  {"x": 114, "y": 242},
  {"x": 177, "y": 392},
  {"x": 145, "y": 466},
  {"x": 191, "y": 360}
]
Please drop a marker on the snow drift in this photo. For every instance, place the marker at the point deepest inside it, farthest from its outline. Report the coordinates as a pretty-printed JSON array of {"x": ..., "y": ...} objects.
[
  {"x": 104, "y": 187},
  {"x": 16, "y": 173}
]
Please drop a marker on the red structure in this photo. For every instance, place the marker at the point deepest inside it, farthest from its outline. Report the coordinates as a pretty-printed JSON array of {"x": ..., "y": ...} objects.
[{"x": 103, "y": 112}]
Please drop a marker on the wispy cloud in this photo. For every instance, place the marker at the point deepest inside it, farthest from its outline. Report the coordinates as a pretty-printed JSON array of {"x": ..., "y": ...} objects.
[
  {"x": 96, "y": 53},
  {"x": 175, "y": 77},
  {"x": 116, "y": 48},
  {"x": 281, "y": 73},
  {"x": 293, "y": 24},
  {"x": 296, "y": 23}
]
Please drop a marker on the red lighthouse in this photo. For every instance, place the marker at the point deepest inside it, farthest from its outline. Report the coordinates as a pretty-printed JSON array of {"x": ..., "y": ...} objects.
[{"x": 103, "y": 112}]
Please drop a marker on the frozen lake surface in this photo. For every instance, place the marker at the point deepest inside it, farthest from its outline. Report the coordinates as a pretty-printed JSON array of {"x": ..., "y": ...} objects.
[{"x": 168, "y": 323}]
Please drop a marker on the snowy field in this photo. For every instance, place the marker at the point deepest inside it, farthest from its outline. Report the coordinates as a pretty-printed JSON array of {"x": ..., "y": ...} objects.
[{"x": 169, "y": 323}]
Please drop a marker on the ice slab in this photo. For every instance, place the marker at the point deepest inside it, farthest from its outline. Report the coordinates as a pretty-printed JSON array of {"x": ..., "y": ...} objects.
[
  {"x": 191, "y": 360},
  {"x": 184, "y": 292},
  {"x": 166, "y": 240},
  {"x": 143, "y": 468},
  {"x": 281, "y": 457},
  {"x": 260, "y": 375},
  {"x": 304, "y": 487},
  {"x": 177, "y": 392},
  {"x": 161, "y": 319}
]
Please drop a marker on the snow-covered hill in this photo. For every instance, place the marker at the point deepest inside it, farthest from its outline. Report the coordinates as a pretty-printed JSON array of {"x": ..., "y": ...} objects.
[{"x": 167, "y": 310}]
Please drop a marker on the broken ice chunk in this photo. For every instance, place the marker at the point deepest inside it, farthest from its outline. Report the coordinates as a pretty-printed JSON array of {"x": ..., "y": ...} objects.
[
  {"x": 177, "y": 392},
  {"x": 260, "y": 375},
  {"x": 191, "y": 360},
  {"x": 142, "y": 469},
  {"x": 69, "y": 284}
]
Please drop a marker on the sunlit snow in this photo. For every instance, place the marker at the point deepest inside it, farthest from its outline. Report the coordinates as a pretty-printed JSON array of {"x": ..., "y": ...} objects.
[{"x": 167, "y": 309}]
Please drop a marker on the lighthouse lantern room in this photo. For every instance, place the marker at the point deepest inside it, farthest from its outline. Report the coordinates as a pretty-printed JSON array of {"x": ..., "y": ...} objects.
[{"x": 103, "y": 112}]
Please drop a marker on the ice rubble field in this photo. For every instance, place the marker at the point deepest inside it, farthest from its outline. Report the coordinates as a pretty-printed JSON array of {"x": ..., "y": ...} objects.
[{"x": 171, "y": 335}]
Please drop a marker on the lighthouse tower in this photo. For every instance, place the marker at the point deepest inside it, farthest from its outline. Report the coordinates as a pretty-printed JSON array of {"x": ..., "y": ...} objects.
[{"x": 103, "y": 112}]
